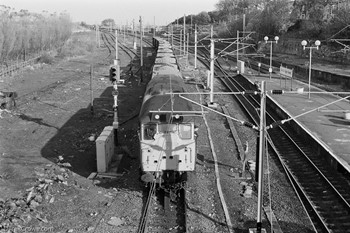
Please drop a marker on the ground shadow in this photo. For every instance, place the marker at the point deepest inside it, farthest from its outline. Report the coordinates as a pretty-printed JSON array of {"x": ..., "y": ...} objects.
[
  {"x": 338, "y": 120},
  {"x": 74, "y": 141}
]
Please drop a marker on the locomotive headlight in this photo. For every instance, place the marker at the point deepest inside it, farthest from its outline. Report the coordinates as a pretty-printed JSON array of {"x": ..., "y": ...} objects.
[
  {"x": 177, "y": 116},
  {"x": 156, "y": 116}
]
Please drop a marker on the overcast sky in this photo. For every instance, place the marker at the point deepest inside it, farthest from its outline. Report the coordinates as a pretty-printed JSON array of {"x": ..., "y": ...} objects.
[{"x": 94, "y": 11}]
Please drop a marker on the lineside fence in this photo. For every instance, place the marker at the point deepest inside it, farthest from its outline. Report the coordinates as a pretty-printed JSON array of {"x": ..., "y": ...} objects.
[{"x": 9, "y": 70}]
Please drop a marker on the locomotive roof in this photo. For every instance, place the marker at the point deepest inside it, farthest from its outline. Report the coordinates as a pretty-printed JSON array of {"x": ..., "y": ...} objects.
[
  {"x": 165, "y": 83},
  {"x": 165, "y": 59},
  {"x": 164, "y": 103},
  {"x": 165, "y": 69}
]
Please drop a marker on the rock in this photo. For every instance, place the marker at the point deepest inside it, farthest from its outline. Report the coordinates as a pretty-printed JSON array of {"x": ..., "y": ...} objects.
[
  {"x": 108, "y": 204},
  {"x": 248, "y": 192},
  {"x": 60, "y": 158},
  {"x": 92, "y": 138},
  {"x": 20, "y": 202},
  {"x": 65, "y": 165},
  {"x": 60, "y": 178},
  {"x": 26, "y": 217},
  {"x": 93, "y": 214},
  {"x": 243, "y": 183},
  {"x": 41, "y": 219},
  {"x": 70, "y": 230},
  {"x": 115, "y": 221},
  {"x": 48, "y": 181},
  {"x": 33, "y": 204},
  {"x": 96, "y": 182},
  {"x": 52, "y": 200},
  {"x": 90, "y": 229},
  {"x": 42, "y": 186},
  {"x": 38, "y": 198},
  {"x": 30, "y": 195}
]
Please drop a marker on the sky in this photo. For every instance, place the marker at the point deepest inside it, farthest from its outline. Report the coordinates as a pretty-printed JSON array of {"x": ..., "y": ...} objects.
[{"x": 122, "y": 11}]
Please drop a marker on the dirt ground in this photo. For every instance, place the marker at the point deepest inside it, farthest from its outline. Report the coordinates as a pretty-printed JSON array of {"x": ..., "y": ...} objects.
[{"x": 47, "y": 152}]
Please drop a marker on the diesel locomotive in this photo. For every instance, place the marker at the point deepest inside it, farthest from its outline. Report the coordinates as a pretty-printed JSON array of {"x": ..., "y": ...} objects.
[{"x": 167, "y": 129}]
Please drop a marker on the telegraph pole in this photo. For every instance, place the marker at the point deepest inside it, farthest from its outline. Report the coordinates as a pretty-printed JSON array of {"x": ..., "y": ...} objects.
[
  {"x": 184, "y": 35},
  {"x": 124, "y": 27},
  {"x": 133, "y": 33},
  {"x": 243, "y": 51},
  {"x": 116, "y": 61},
  {"x": 191, "y": 24},
  {"x": 237, "y": 46},
  {"x": 172, "y": 36},
  {"x": 262, "y": 143},
  {"x": 211, "y": 67},
  {"x": 141, "y": 49},
  {"x": 195, "y": 46},
  {"x": 154, "y": 26},
  {"x": 96, "y": 33},
  {"x": 180, "y": 42},
  {"x": 188, "y": 40}
]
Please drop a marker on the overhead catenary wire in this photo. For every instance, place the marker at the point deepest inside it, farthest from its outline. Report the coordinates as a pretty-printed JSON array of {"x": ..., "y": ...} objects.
[{"x": 245, "y": 123}]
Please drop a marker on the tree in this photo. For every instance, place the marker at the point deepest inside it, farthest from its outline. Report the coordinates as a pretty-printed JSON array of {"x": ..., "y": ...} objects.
[
  {"x": 108, "y": 22},
  {"x": 203, "y": 18}
]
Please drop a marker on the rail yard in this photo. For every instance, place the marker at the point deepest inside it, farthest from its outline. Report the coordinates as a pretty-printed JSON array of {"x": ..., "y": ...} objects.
[{"x": 187, "y": 148}]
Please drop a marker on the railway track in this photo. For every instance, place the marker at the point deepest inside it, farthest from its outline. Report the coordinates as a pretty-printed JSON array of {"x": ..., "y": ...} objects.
[
  {"x": 324, "y": 194},
  {"x": 164, "y": 210},
  {"x": 109, "y": 40}
]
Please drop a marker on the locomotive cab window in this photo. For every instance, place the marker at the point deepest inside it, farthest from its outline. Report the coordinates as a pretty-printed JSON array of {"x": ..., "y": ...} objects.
[
  {"x": 185, "y": 131},
  {"x": 149, "y": 130}
]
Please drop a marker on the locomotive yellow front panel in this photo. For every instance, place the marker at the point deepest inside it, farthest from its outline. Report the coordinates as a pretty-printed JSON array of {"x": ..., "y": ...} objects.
[{"x": 171, "y": 147}]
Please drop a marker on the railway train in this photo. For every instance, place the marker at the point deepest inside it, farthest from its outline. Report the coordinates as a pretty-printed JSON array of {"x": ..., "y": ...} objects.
[{"x": 167, "y": 123}]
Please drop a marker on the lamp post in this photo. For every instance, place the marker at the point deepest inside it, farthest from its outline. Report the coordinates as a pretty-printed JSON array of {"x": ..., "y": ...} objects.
[
  {"x": 304, "y": 43},
  {"x": 271, "y": 41}
]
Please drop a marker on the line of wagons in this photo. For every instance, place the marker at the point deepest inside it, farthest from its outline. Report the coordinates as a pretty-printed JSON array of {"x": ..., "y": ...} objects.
[{"x": 167, "y": 129}]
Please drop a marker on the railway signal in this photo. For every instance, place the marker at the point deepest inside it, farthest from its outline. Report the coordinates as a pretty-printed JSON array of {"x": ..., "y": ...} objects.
[{"x": 113, "y": 73}]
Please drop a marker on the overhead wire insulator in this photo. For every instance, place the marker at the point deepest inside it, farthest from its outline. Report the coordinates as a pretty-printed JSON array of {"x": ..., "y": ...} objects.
[
  {"x": 275, "y": 124},
  {"x": 250, "y": 92},
  {"x": 248, "y": 124},
  {"x": 277, "y": 92}
]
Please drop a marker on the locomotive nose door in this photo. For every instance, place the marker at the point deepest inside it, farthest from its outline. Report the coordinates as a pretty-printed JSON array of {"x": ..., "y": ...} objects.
[{"x": 172, "y": 158}]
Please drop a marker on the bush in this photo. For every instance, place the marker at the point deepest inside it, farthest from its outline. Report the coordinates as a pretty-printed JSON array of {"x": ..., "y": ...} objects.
[
  {"x": 79, "y": 44},
  {"x": 46, "y": 58}
]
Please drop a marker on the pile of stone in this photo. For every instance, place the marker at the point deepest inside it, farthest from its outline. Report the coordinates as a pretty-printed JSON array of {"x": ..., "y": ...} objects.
[{"x": 18, "y": 211}]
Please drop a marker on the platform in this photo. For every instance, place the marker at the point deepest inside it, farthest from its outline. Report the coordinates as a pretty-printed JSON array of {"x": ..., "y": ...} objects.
[{"x": 328, "y": 126}]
